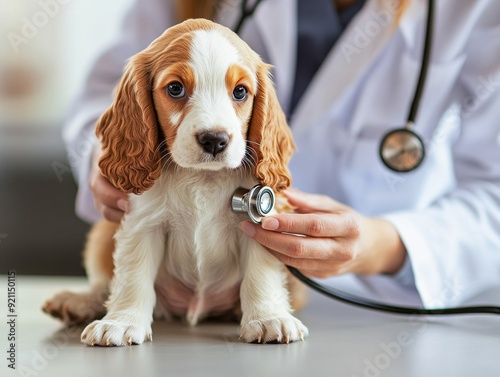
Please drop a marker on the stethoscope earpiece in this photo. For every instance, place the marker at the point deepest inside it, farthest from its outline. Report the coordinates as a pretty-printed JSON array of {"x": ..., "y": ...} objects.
[{"x": 256, "y": 202}]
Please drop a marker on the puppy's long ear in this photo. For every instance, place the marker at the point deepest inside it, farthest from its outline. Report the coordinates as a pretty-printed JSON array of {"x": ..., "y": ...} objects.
[
  {"x": 269, "y": 135},
  {"x": 128, "y": 130}
]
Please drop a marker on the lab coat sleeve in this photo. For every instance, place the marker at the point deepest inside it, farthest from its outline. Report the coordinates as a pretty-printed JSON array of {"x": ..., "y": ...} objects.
[
  {"x": 143, "y": 22},
  {"x": 454, "y": 245}
]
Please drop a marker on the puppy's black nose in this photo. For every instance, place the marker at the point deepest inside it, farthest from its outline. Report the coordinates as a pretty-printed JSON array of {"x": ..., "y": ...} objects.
[{"x": 213, "y": 142}]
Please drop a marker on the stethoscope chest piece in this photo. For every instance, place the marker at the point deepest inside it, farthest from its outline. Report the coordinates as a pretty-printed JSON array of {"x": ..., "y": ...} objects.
[
  {"x": 256, "y": 202},
  {"x": 402, "y": 150}
]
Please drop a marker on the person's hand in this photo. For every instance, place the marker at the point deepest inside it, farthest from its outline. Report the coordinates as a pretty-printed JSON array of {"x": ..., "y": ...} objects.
[
  {"x": 109, "y": 201},
  {"x": 324, "y": 238}
]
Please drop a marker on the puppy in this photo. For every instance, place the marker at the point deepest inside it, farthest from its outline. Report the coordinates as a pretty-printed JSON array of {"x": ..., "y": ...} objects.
[{"x": 194, "y": 118}]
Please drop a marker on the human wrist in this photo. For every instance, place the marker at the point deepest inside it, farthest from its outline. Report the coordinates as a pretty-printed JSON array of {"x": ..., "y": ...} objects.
[{"x": 384, "y": 250}]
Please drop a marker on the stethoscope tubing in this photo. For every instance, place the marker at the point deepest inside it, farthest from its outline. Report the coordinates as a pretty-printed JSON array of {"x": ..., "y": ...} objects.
[
  {"x": 403, "y": 310},
  {"x": 245, "y": 14},
  {"x": 412, "y": 115}
]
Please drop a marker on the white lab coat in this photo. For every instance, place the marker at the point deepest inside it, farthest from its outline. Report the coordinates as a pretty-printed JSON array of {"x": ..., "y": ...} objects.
[{"x": 448, "y": 211}]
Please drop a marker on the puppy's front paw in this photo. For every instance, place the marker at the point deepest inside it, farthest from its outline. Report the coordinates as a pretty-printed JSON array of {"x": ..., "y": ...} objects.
[
  {"x": 77, "y": 308},
  {"x": 283, "y": 329},
  {"x": 111, "y": 332}
]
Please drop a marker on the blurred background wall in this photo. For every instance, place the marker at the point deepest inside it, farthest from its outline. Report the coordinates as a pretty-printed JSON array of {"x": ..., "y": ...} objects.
[{"x": 46, "y": 48}]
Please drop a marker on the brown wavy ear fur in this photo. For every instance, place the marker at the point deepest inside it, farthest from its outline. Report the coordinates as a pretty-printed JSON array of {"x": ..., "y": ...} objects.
[
  {"x": 128, "y": 131},
  {"x": 270, "y": 135}
]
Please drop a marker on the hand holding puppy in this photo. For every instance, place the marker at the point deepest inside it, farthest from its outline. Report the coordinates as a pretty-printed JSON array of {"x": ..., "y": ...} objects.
[{"x": 109, "y": 201}]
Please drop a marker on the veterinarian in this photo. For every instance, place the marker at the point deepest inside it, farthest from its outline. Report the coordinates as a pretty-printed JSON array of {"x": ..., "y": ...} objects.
[{"x": 346, "y": 73}]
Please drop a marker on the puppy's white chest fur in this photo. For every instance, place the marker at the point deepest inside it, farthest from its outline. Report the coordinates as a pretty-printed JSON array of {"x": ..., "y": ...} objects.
[
  {"x": 202, "y": 245},
  {"x": 202, "y": 240}
]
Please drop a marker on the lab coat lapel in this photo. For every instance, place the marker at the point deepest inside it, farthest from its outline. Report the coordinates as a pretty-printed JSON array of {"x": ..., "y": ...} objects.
[
  {"x": 409, "y": 24},
  {"x": 354, "y": 52},
  {"x": 280, "y": 38}
]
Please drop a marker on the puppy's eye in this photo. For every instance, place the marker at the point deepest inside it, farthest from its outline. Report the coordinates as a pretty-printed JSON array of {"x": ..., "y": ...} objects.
[
  {"x": 240, "y": 93},
  {"x": 176, "y": 90}
]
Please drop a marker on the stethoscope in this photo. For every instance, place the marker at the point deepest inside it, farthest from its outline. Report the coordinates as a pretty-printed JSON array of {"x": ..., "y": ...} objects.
[{"x": 401, "y": 150}]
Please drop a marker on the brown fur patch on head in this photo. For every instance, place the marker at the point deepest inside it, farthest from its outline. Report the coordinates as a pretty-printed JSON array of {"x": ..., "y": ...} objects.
[{"x": 129, "y": 131}]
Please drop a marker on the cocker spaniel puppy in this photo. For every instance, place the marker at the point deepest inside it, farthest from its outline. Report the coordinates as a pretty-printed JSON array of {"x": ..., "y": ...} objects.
[{"x": 194, "y": 118}]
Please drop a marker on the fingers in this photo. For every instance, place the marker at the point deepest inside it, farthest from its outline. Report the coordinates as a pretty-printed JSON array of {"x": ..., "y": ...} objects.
[
  {"x": 318, "y": 244},
  {"x": 110, "y": 201},
  {"x": 315, "y": 225},
  {"x": 307, "y": 203},
  {"x": 288, "y": 244},
  {"x": 111, "y": 214},
  {"x": 306, "y": 266},
  {"x": 295, "y": 250}
]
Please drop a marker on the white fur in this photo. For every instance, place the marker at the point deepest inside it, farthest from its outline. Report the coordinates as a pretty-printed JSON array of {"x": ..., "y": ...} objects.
[
  {"x": 212, "y": 108},
  {"x": 175, "y": 118},
  {"x": 183, "y": 227}
]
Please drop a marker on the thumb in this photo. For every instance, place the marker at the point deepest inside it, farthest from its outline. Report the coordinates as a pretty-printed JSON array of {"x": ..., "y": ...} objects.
[{"x": 309, "y": 203}]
